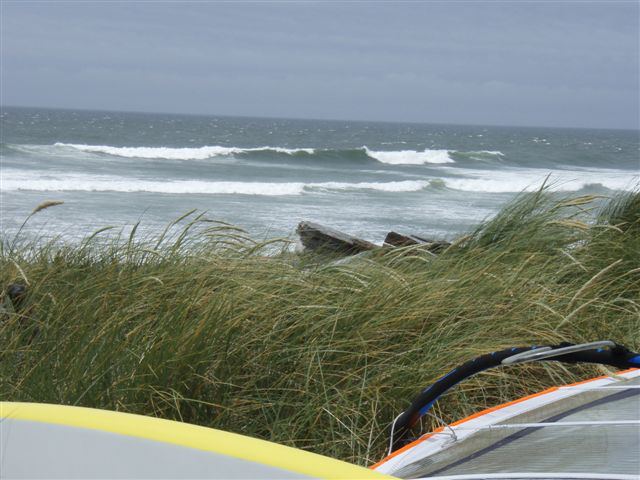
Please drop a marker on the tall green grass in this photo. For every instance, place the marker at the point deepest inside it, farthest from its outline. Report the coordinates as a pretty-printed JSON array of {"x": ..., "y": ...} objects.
[{"x": 202, "y": 325}]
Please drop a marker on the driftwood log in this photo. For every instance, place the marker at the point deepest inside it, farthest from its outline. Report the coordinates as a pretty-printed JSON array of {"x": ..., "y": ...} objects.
[
  {"x": 395, "y": 239},
  {"x": 317, "y": 237}
]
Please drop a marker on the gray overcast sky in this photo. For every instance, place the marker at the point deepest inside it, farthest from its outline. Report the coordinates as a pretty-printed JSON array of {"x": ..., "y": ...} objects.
[{"x": 506, "y": 63}]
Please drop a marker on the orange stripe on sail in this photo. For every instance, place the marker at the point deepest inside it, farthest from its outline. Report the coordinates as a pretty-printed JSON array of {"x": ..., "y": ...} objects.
[{"x": 489, "y": 410}]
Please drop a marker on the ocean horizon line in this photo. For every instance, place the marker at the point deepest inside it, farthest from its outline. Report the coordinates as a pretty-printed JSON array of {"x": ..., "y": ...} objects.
[{"x": 316, "y": 119}]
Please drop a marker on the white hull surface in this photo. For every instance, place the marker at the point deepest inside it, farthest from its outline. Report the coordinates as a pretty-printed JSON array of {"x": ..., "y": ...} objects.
[
  {"x": 586, "y": 430},
  {"x": 53, "y": 441}
]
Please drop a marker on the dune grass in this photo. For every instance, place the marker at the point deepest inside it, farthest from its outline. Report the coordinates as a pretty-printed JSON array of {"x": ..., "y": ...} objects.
[{"x": 200, "y": 325}]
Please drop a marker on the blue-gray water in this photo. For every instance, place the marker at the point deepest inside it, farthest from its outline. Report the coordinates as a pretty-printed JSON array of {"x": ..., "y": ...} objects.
[{"x": 266, "y": 175}]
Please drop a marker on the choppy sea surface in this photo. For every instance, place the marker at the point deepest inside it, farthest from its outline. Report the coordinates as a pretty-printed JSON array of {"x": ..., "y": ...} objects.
[{"x": 266, "y": 175}]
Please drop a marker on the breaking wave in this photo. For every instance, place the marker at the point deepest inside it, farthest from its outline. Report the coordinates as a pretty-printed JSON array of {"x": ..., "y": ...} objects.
[
  {"x": 511, "y": 181},
  {"x": 518, "y": 180},
  {"x": 401, "y": 157},
  {"x": 401, "y": 186},
  {"x": 19, "y": 180},
  {"x": 410, "y": 157},
  {"x": 170, "y": 153},
  {"x": 342, "y": 156}
]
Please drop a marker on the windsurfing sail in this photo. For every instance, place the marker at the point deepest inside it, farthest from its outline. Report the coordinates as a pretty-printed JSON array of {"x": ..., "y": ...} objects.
[{"x": 587, "y": 430}]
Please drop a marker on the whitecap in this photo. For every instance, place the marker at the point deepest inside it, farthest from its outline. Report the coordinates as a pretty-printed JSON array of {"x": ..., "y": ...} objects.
[
  {"x": 410, "y": 157},
  {"x": 518, "y": 180},
  {"x": 14, "y": 180},
  {"x": 399, "y": 186},
  {"x": 172, "y": 153}
]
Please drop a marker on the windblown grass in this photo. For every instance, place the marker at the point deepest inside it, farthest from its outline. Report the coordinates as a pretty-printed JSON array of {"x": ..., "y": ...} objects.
[{"x": 200, "y": 325}]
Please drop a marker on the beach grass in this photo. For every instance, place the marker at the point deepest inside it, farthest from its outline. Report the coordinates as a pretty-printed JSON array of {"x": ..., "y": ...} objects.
[{"x": 204, "y": 325}]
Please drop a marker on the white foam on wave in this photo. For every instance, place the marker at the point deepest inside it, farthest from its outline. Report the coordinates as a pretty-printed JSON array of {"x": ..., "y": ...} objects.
[
  {"x": 410, "y": 157},
  {"x": 399, "y": 186},
  {"x": 518, "y": 180},
  {"x": 59, "y": 182},
  {"x": 435, "y": 156},
  {"x": 16, "y": 180},
  {"x": 469, "y": 180},
  {"x": 171, "y": 153}
]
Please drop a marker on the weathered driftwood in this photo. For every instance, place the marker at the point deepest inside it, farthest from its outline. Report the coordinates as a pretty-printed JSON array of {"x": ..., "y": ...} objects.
[
  {"x": 396, "y": 239},
  {"x": 317, "y": 237}
]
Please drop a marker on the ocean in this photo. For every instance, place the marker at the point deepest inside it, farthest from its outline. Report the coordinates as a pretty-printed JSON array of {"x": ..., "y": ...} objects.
[{"x": 266, "y": 175}]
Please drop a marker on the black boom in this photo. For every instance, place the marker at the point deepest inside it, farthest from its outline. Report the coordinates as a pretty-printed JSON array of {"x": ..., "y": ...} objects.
[{"x": 611, "y": 354}]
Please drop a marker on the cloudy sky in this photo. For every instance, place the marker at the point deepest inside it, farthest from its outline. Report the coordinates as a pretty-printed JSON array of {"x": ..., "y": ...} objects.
[{"x": 547, "y": 63}]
